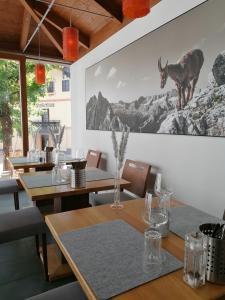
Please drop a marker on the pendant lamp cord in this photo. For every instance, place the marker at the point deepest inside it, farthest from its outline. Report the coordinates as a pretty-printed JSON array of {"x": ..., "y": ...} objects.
[
  {"x": 70, "y": 18},
  {"x": 39, "y": 48}
]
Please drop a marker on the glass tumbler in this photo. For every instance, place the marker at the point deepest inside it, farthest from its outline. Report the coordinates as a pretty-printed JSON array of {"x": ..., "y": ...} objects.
[
  {"x": 152, "y": 248},
  {"x": 158, "y": 184},
  {"x": 159, "y": 216},
  {"x": 195, "y": 259},
  {"x": 147, "y": 208}
]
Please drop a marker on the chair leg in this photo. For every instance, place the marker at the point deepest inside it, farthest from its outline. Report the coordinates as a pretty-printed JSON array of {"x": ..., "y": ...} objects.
[
  {"x": 37, "y": 244},
  {"x": 45, "y": 255},
  {"x": 16, "y": 200}
]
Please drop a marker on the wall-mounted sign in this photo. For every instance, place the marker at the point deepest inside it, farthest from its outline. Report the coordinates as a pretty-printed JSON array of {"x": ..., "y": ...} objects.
[{"x": 45, "y": 105}]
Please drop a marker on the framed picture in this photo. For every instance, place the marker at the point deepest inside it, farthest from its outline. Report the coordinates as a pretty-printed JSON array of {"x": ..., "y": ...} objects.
[{"x": 171, "y": 81}]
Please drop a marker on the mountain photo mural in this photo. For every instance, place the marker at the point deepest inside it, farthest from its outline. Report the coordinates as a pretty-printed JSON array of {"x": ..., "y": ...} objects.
[{"x": 171, "y": 81}]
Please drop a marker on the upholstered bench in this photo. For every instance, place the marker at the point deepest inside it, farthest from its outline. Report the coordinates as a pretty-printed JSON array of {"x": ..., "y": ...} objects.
[
  {"x": 71, "y": 291},
  {"x": 9, "y": 186},
  {"x": 23, "y": 223}
]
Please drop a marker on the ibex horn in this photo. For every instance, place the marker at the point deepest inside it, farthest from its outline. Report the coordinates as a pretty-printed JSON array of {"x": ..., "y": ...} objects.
[{"x": 159, "y": 65}]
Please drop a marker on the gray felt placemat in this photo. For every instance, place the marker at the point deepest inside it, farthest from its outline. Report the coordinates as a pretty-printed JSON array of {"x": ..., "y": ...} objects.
[
  {"x": 24, "y": 160},
  {"x": 185, "y": 219},
  {"x": 43, "y": 180},
  {"x": 20, "y": 160},
  {"x": 97, "y": 174},
  {"x": 110, "y": 257}
]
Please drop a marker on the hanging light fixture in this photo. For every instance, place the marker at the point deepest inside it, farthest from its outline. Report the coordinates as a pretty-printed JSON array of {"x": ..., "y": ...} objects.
[
  {"x": 40, "y": 74},
  {"x": 70, "y": 43},
  {"x": 39, "y": 68},
  {"x": 136, "y": 8}
]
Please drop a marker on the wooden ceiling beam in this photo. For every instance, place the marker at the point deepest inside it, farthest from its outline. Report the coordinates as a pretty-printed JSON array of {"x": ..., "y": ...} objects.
[
  {"x": 59, "y": 22},
  {"x": 25, "y": 29},
  {"x": 109, "y": 29},
  {"x": 12, "y": 52},
  {"x": 114, "y": 9},
  {"x": 29, "y": 7}
]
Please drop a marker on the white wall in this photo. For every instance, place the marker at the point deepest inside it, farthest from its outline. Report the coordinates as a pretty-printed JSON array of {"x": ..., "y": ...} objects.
[{"x": 193, "y": 166}]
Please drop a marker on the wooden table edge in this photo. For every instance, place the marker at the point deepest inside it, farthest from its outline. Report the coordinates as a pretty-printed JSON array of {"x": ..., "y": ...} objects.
[
  {"x": 124, "y": 183},
  {"x": 89, "y": 293}
]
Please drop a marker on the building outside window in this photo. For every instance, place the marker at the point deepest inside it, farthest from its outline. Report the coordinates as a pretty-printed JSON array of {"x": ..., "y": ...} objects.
[
  {"x": 54, "y": 110},
  {"x": 45, "y": 115},
  {"x": 51, "y": 87},
  {"x": 66, "y": 79},
  {"x": 65, "y": 85}
]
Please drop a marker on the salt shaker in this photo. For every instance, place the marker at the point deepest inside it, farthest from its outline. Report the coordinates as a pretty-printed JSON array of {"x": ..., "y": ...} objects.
[{"x": 195, "y": 259}]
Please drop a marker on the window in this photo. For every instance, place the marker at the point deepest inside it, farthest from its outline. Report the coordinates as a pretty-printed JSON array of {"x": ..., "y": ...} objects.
[
  {"x": 45, "y": 116},
  {"x": 51, "y": 87},
  {"x": 66, "y": 72},
  {"x": 65, "y": 85},
  {"x": 66, "y": 79}
]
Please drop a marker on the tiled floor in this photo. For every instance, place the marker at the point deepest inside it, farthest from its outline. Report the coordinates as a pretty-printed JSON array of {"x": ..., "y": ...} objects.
[{"x": 21, "y": 273}]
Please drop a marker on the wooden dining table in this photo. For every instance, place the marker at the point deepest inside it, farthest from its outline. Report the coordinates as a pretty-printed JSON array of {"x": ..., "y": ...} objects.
[
  {"x": 65, "y": 198},
  {"x": 170, "y": 287},
  {"x": 20, "y": 162},
  {"x": 65, "y": 193}
]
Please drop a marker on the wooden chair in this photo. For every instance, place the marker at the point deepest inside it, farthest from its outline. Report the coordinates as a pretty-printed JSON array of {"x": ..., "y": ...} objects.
[
  {"x": 93, "y": 158},
  {"x": 135, "y": 172},
  {"x": 23, "y": 223},
  {"x": 71, "y": 291},
  {"x": 10, "y": 186}
]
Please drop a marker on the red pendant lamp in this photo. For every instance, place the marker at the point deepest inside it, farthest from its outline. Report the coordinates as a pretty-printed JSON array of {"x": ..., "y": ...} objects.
[
  {"x": 39, "y": 68},
  {"x": 70, "y": 43},
  {"x": 136, "y": 8},
  {"x": 40, "y": 74}
]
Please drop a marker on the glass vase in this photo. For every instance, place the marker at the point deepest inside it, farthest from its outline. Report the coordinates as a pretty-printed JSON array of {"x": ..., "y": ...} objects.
[{"x": 116, "y": 201}]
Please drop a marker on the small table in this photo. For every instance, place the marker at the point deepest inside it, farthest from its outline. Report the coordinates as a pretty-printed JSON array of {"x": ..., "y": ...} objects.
[
  {"x": 22, "y": 163},
  {"x": 60, "y": 192},
  {"x": 168, "y": 287}
]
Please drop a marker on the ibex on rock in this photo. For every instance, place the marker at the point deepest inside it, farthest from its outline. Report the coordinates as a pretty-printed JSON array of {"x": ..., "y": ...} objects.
[{"x": 185, "y": 74}]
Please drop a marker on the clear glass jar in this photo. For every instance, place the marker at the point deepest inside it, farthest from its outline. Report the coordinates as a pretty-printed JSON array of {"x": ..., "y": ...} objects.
[{"x": 195, "y": 259}]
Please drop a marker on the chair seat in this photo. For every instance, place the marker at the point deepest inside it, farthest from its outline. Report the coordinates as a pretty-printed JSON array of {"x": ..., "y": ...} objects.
[
  {"x": 71, "y": 291},
  {"x": 107, "y": 198},
  {"x": 21, "y": 223},
  {"x": 8, "y": 186}
]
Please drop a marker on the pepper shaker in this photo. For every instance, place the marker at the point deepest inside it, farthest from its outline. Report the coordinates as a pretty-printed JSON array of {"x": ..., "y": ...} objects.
[{"x": 195, "y": 259}]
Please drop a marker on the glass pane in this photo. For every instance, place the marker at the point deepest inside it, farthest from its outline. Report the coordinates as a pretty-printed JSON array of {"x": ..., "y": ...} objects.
[
  {"x": 65, "y": 85},
  {"x": 10, "y": 113},
  {"x": 50, "y": 87},
  {"x": 50, "y": 113}
]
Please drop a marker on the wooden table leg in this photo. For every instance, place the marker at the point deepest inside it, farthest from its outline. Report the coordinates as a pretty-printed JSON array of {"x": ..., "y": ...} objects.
[
  {"x": 57, "y": 204},
  {"x": 56, "y": 269}
]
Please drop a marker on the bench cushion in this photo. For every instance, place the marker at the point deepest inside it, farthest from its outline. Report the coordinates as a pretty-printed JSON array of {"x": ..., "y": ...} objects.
[
  {"x": 71, "y": 291},
  {"x": 8, "y": 186},
  {"x": 21, "y": 223},
  {"x": 107, "y": 198}
]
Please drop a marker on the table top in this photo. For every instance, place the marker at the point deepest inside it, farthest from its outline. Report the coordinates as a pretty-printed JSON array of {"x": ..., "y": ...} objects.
[
  {"x": 27, "y": 164},
  {"x": 168, "y": 287},
  {"x": 42, "y": 193}
]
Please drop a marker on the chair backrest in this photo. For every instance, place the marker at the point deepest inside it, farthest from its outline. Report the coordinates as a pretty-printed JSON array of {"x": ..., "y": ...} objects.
[
  {"x": 137, "y": 173},
  {"x": 93, "y": 158}
]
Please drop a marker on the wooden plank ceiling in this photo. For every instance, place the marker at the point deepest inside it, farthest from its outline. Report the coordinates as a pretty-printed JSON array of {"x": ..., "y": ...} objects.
[{"x": 96, "y": 20}]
